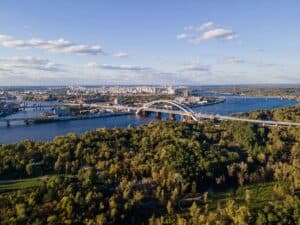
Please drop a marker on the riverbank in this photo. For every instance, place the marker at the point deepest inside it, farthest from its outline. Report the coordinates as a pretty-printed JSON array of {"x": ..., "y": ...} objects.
[
  {"x": 67, "y": 118},
  {"x": 288, "y": 97},
  {"x": 270, "y": 92},
  {"x": 47, "y": 131},
  {"x": 218, "y": 101}
]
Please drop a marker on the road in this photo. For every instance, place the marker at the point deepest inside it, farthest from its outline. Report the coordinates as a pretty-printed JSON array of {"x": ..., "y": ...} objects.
[
  {"x": 262, "y": 122},
  {"x": 201, "y": 116}
]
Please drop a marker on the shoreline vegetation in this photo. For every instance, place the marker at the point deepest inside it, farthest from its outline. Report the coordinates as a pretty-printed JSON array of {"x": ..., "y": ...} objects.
[
  {"x": 159, "y": 173},
  {"x": 292, "y": 93},
  {"x": 284, "y": 114}
]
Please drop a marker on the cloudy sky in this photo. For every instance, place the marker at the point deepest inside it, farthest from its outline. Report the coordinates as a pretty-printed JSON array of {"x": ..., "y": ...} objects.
[{"x": 149, "y": 42}]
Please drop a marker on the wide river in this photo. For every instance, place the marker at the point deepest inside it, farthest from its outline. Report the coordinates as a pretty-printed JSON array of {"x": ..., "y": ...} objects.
[{"x": 47, "y": 131}]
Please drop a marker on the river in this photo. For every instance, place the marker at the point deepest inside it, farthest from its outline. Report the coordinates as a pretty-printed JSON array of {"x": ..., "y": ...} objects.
[{"x": 47, "y": 131}]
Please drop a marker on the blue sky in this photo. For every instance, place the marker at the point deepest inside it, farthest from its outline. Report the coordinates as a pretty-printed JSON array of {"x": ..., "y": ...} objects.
[{"x": 149, "y": 42}]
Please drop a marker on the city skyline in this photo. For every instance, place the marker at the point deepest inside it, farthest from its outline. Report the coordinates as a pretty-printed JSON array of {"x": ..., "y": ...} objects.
[{"x": 156, "y": 43}]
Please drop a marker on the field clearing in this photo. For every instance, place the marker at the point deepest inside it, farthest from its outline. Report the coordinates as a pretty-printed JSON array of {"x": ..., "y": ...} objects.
[
  {"x": 255, "y": 196},
  {"x": 13, "y": 185}
]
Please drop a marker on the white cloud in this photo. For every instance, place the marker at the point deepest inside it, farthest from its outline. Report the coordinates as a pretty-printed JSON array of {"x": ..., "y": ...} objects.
[
  {"x": 31, "y": 70},
  {"x": 59, "y": 45},
  {"x": 25, "y": 60},
  {"x": 5, "y": 70},
  {"x": 14, "y": 44},
  {"x": 116, "y": 67},
  {"x": 264, "y": 64},
  {"x": 200, "y": 27},
  {"x": 222, "y": 34},
  {"x": 146, "y": 75},
  {"x": 26, "y": 27},
  {"x": 30, "y": 63},
  {"x": 217, "y": 33},
  {"x": 233, "y": 60},
  {"x": 195, "y": 67},
  {"x": 257, "y": 63},
  {"x": 205, "y": 32},
  {"x": 259, "y": 50},
  {"x": 206, "y": 25},
  {"x": 82, "y": 49},
  {"x": 4, "y": 37},
  {"x": 185, "y": 36},
  {"x": 120, "y": 54}
]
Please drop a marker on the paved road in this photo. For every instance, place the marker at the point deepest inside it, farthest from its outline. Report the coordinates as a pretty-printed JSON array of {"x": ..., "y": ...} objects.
[
  {"x": 201, "y": 116},
  {"x": 262, "y": 122}
]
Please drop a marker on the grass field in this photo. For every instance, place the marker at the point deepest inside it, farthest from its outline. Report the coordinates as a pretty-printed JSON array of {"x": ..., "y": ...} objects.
[
  {"x": 14, "y": 185},
  {"x": 257, "y": 194},
  {"x": 6, "y": 186},
  {"x": 254, "y": 195}
]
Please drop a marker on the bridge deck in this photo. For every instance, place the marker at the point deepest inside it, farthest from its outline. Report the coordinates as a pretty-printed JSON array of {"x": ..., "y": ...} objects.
[
  {"x": 219, "y": 117},
  {"x": 196, "y": 116}
]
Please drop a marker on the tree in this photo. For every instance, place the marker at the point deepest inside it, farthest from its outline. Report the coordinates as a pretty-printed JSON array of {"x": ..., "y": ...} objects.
[
  {"x": 59, "y": 166},
  {"x": 29, "y": 169},
  {"x": 101, "y": 219},
  {"x": 170, "y": 208},
  {"x": 21, "y": 210},
  {"x": 194, "y": 212}
]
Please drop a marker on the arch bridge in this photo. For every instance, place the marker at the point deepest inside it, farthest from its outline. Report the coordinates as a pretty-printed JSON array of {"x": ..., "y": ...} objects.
[
  {"x": 186, "y": 112},
  {"x": 182, "y": 110}
]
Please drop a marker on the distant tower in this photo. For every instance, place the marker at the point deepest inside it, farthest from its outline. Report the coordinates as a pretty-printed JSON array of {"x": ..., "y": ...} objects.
[
  {"x": 186, "y": 93},
  {"x": 117, "y": 101}
]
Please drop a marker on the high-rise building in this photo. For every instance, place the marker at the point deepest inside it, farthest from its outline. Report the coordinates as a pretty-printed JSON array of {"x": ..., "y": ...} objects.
[{"x": 186, "y": 93}]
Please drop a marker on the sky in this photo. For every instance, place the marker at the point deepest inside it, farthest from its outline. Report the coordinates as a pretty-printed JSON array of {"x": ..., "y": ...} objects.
[{"x": 170, "y": 42}]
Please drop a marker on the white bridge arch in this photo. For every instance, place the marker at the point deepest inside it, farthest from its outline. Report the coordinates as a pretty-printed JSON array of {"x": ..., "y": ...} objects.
[{"x": 189, "y": 112}]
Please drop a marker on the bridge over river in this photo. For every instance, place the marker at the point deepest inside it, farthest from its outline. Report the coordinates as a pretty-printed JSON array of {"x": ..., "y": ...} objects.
[
  {"x": 187, "y": 112},
  {"x": 171, "y": 108}
]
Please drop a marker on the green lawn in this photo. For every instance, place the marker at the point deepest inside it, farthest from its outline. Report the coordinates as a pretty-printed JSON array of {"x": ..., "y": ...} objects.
[
  {"x": 258, "y": 195},
  {"x": 14, "y": 185},
  {"x": 6, "y": 186}
]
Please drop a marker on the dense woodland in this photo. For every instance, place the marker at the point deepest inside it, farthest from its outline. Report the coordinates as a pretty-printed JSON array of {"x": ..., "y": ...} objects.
[
  {"x": 160, "y": 173},
  {"x": 288, "y": 114}
]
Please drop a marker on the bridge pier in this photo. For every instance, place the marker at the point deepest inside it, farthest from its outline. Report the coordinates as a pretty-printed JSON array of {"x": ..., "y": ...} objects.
[
  {"x": 139, "y": 113},
  {"x": 158, "y": 115},
  {"x": 172, "y": 117},
  {"x": 186, "y": 118},
  {"x": 143, "y": 113}
]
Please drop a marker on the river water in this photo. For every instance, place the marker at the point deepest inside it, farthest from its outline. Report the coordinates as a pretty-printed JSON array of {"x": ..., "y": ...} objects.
[{"x": 47, "y": 131}]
